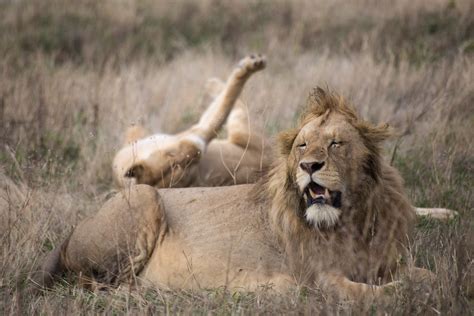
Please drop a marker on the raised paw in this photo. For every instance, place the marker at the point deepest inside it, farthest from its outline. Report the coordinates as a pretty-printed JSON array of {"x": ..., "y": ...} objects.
[{"x": 251, "y": 64}]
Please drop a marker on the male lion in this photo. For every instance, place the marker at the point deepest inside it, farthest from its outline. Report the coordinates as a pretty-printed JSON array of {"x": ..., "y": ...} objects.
[
  {"x": 193, "y": 157},
  {"x": 330, "y": 212}
]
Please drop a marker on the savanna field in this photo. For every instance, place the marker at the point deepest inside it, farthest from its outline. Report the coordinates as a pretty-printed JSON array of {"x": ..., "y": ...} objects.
[{"x": 75, "y": 74}]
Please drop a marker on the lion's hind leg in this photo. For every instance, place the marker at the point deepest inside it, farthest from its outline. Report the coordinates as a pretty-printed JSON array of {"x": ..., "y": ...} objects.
[
  {"x": 114, "y": 245},
  {"x": 216, "y": 114},
  {"x": 239, "y": 130}
]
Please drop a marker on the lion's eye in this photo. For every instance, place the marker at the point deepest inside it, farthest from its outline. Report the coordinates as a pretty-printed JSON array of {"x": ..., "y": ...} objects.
[
  {"x": 335, "y": 144},
  {"x": 301, "y": 146}
]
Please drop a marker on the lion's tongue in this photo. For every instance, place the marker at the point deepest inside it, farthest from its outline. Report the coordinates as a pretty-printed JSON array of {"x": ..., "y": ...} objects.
[{"x": 316, "y": 190}]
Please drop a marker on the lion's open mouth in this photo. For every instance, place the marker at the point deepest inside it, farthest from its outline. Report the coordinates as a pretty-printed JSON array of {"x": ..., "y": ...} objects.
[{"x": 317, "y": 194}]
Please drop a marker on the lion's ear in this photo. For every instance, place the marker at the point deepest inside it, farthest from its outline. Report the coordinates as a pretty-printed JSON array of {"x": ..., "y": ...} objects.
[
  {"x": 377, "y": 134},
  {"x": 286, "y": 140}
]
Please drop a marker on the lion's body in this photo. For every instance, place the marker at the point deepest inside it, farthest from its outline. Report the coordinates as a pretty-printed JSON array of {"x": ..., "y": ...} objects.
[
  {"x": 211, "y": 242},
  {"x": 227, "y": 239},
  {"x": 197, "y": 242},
  {"x": 265, "y": 233}
]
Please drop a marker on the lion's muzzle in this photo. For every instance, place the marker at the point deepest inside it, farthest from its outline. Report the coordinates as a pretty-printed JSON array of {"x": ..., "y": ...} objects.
[{"x": 317, "y": 194}]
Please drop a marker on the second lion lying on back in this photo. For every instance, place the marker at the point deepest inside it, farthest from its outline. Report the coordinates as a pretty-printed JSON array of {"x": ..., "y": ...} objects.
[{"x": 194, "y": 157}]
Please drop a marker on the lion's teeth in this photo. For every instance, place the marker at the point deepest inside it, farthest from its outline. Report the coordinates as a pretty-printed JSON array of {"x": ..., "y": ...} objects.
[
  {"x": 315, "y": 195},
  {"x": 326, "y": 193}
]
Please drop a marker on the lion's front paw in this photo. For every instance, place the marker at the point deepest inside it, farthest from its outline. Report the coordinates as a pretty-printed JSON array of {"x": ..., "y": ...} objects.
[
  {"x": 389, "y": 289},
  {"x": 251, "y": 64}
]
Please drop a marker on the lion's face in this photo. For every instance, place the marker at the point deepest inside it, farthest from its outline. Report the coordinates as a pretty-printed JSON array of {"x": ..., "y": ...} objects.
[{"x": 324, "y": 157}]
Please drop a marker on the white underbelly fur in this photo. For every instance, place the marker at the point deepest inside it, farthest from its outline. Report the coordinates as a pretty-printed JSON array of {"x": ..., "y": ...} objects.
[{"x": 140, "y": 150}]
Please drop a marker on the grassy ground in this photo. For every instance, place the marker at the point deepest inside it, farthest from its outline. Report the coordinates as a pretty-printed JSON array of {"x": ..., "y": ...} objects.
[{"x": 74, "y": 75}]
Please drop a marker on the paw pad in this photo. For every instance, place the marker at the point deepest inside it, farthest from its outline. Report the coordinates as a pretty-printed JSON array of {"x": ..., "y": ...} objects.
[{"x": 253, "y": 63}]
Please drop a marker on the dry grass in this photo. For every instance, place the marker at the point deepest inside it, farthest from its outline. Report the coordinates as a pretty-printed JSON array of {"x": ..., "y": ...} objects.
[{"x": 73, "y": 76}]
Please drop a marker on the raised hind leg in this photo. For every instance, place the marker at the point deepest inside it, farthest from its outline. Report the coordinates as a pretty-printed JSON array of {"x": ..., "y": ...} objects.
[
  {"x": 215, "y": 116},
  {"x": 241, "y": 157},
  {"x": 239, "y": 130}
]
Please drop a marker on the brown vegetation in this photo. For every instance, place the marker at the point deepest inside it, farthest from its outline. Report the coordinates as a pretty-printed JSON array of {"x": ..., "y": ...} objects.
[{"x": 73, "y": 75}]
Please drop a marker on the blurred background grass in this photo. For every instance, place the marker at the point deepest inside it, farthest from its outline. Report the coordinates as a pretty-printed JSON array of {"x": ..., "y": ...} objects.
[{"x": 75, "y": 74}]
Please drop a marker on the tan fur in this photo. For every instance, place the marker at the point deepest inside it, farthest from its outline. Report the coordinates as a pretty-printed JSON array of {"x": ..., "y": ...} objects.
[
  {"x": 246, "y": 236},
  {"x": 134, "y": 133},
  {"x": 193, "y": 157}
]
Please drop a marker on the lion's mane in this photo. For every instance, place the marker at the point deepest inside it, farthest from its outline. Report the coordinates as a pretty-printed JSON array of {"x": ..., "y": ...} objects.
[{"x": 376, "y": 217}]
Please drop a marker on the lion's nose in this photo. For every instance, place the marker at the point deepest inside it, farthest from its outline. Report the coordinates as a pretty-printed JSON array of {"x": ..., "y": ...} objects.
[{"x": 311, "y": 167}]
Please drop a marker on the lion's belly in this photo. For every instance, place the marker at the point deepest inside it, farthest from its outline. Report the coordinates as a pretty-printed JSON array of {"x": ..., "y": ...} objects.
[{"x": 215, "y": 238}]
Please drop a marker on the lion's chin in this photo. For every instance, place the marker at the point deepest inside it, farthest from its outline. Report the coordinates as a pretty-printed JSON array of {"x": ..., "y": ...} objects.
[
  {"x": 322, "y": 215},
  {"x": 322, "y": 205}
]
